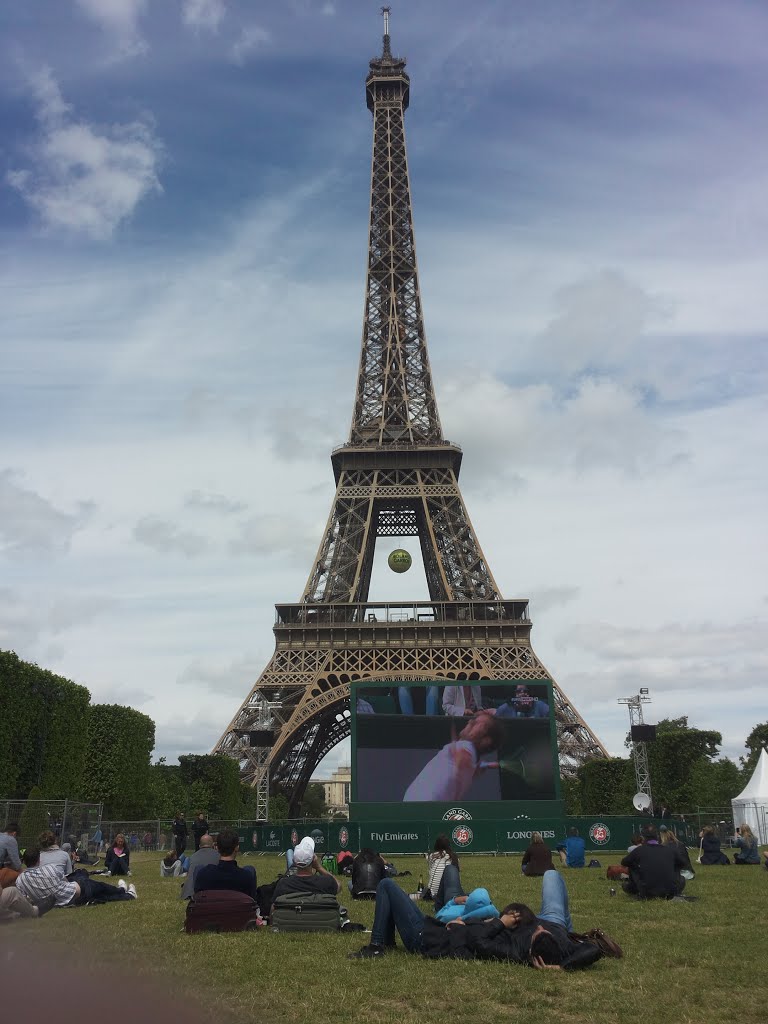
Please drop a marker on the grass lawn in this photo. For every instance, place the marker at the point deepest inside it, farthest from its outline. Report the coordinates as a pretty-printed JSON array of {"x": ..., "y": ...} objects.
[{"x": 691, "y": 962}]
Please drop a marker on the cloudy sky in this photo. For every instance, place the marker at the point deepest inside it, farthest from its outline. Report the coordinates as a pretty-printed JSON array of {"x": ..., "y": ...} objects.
[{"x": 183, "y": 202}]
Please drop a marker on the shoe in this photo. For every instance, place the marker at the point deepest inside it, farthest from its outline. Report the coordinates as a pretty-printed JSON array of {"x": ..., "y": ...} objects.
[
  {"x": 121, "y": 885},
  {"x": 45, "y": 905},
  {"x": 132, "y": 891},
  {"x": 367, "y": 953},
  {"x": 128, "y": 873}
]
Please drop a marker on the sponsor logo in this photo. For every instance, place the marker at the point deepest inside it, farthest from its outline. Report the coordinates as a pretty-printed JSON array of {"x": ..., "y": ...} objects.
[
  {"x": 294, "y": 837},
  {"x": 457, "y": 814},
  {"x": 343, "y": 837},
  {"x": 545, "y": 834},
  {"x": 317, "y": 836},
  {"x": 599, "y": 833},
  {"x": 394, "y": 837},
  {"x": 462, "y": 835},
  {"x": 255, "y": 840}
]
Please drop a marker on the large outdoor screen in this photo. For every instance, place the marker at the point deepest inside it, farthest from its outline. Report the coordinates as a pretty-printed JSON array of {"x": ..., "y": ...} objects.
[{"x": 434, "y": 742}]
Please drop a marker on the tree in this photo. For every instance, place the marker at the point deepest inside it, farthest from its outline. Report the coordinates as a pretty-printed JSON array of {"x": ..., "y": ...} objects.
[
  {"x": 42, "y": 730},
  {"x": 34, "y": 818},
  {"x": 755, "y": 742},
  {"x": 606, "y": 785},
  {"x": 313, "y": 805},
  {"x": 117, "y": 773},
  {"x": 678, "y": 761},
  {"x": 278, "y": 808},
  {"x": 213, "y": 784},
  {"x": 715, "y": 783}
]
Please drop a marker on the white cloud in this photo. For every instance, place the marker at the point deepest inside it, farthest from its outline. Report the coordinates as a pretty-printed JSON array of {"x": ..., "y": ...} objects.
[
  {"x": 167, "y": 537},
  {"x": 225, "y": 676},
  {"x": 31, "y": 523},
  {"x": 120, "y": 19},
  {"x": 213, "y": 503},
  {"x": 203, "y": 14},
  {"x": 251, "y": 39},
  {"x": 328, "y": 9},
  {"x": 84, "y": 178}
]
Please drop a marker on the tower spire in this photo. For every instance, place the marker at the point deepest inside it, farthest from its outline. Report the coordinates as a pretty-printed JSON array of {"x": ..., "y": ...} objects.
[{"x": 385, "y": 11}]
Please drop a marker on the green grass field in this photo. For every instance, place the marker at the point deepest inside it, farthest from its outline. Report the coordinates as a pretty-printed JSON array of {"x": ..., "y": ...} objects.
[{"x": 691, "y": 962}]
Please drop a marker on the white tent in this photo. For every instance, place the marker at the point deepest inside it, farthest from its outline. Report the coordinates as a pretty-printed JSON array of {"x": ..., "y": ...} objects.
[{"x": 750, "y": 807}]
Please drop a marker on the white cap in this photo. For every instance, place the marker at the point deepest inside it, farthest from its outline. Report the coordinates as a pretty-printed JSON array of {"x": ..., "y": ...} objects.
[{"x": 304, "y": 852}]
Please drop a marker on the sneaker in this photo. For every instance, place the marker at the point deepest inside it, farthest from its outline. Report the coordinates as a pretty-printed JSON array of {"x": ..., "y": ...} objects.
[
  {"x": 128, "y": 872},
  {"x": 132, "y": 891},
  {"x": 121, "y": 885},
  {"x": 367, "y": 953}
]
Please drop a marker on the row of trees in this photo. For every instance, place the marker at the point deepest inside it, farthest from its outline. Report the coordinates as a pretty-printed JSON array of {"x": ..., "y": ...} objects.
[
  {"x": 55, "y": 744},
  {"x": 685, "y": 769}
]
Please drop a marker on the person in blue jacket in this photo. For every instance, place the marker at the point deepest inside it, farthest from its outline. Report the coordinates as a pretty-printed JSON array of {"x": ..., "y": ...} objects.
[{"x": 572, "y": 850}]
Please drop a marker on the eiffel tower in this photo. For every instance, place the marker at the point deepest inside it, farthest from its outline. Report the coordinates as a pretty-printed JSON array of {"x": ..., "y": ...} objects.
[{"x": 396, "y": 476}]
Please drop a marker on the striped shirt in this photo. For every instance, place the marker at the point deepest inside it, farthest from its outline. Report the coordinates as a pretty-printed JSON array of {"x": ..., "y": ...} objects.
[{"x": 39, "y": 883}]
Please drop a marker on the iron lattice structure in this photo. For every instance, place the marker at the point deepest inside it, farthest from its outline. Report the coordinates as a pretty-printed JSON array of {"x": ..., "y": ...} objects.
[{"x": 396, "y": 476}]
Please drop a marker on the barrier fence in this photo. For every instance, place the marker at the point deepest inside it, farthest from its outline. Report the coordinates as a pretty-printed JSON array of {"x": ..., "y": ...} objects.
[{"x": 71, "y": 821}]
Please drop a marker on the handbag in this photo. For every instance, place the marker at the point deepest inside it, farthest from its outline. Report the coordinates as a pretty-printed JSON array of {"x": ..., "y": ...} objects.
[{"x": 599, "y": 938}]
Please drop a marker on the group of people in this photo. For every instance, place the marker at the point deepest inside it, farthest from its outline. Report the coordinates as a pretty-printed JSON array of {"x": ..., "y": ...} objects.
[{"x": 44, "y": 877}]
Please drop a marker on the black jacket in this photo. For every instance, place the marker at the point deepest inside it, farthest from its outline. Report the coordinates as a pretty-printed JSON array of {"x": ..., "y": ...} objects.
[
  {"x": 199, "y": 828},
  {"x": 179, "y": 828},
  {"x": 492, "y": 941},
  {"x": 655, "y": 869},
  {"x": 366, "y": 874}
]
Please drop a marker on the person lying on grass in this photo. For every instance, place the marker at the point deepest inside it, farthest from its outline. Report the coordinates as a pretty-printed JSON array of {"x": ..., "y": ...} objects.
[
  {"x": 39, "y": 882},
  {"x": 517, "y": 936}
]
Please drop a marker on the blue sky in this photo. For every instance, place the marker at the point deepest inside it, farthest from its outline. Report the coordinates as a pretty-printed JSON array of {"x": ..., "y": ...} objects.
[{"x": 183, "y": 202}]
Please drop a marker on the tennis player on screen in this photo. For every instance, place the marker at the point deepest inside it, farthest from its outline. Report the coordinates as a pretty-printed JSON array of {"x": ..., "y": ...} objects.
[{"x": 450, "y": 773}]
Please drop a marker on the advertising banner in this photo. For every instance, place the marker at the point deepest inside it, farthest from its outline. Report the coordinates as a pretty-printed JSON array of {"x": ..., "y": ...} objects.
[{"x": 390, "y": 837}]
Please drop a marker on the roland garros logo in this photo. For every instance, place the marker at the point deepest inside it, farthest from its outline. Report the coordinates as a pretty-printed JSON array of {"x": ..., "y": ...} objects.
[
  {"x": 343, "y": 837},
  {"x": 599, "y": 833},
  {"x": 462, "y": 835},
  {"x": 294, "y": 837},
  {"x": 457, "y": 814}
]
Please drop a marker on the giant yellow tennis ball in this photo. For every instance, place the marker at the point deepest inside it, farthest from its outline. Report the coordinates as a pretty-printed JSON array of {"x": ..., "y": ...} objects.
[{"x": 399, "y": 560}]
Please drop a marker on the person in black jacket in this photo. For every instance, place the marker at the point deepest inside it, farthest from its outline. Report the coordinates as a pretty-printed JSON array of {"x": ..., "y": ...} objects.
[
  {"x": 199, "y": 829},
  {"x": 710, "y": 847},
  {"x": 518, "y": 936},
  {"x": 368, "y": 869},
  {"x": 654, "y": 869},
  {"x": 180, "y": 833}
]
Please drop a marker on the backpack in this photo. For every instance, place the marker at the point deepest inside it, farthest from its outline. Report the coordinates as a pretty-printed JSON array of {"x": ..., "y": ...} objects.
[
  {"x": 307, "y": 912},
  {"x": 221, "y": 910}
]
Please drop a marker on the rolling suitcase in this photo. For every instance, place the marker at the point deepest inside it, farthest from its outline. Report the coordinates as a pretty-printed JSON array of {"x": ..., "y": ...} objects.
[
  {"x": 220, "y": 910},
  {"x": 306, "y": 912}
]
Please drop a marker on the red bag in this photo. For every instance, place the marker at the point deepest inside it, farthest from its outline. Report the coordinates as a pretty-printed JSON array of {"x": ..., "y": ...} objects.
[
  {"x": 615, "y": 872},
  {"x": 221, "y": 910}
]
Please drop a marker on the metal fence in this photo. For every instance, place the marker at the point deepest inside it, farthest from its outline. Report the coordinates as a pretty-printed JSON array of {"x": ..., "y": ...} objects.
[
  {"x": 156, "y": 834},
  {"x": 71, "y": 821}
]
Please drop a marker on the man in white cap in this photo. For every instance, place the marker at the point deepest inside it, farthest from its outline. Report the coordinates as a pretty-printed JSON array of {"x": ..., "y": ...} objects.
[{"x": 310, "y": 875}]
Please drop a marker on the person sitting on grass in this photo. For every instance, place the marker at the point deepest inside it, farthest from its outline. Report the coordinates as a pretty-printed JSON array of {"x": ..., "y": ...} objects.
[
  {"x": 668, "y": 837},
  {"x": 310, "y": 876},
  {"x": 443, "y": 880},
  {"x": 51, "y": 852},
  {"x": 117, "y": 861},
  {"x": 10, "y": 861},
  {"x": 205, "y": 855},
  {"x": 537, "y": 858},
  {"x": 368, "y": 869},
  {"x": 654, "y": 869},
  {"x": 572, "y": 850},
  {"x": 226, "y": 874},
  {"x": 38, "y": 882},
  {"x": 171, "y": 866},
  {"x": 747, "y": 844},
  {"x": 710, "y": 847},
  {"x": 517, "y": 936}
]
